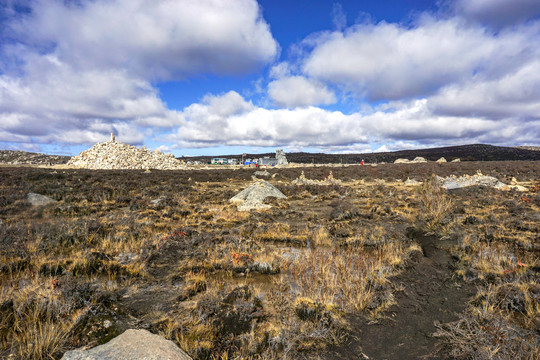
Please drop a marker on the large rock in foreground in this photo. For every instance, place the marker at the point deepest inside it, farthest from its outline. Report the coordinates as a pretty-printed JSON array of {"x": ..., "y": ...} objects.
[
  {"x": 131, "y": 345},
  {"x": 118, "y": 155},
  {"x": 253, "y": 196}
]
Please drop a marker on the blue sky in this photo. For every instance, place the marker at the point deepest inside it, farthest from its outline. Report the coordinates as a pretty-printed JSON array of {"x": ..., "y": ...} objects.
[{"x": 229, "y": 76}]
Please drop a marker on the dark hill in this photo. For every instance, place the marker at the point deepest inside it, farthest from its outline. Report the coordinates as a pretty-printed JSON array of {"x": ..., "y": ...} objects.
[
  {"x": 476, "y": 152},
  {"x": 23, "y": 157}
]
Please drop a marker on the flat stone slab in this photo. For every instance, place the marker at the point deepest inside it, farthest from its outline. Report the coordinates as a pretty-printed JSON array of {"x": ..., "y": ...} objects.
[
  {"x": 131, "y": 345},
  {"x": 38, "y": 199},
  {"x": 453, "y": 182}
]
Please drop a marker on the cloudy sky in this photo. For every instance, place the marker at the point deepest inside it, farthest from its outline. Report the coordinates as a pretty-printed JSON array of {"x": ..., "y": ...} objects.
[{"x": 229, "y": 76}]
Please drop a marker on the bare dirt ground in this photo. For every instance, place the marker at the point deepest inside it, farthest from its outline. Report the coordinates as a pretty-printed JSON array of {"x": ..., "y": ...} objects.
[
  {"x": 427, "y": 292},
  {"x": 366, "y": 267}
]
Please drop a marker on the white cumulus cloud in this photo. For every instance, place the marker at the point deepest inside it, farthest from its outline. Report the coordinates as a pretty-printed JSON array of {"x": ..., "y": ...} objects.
[
  {"x": 73, "y": 71},
  {"x": 498, "y": 13},
  {"x": 413, "y": 122},
  {"x": 295, "y": 91},
  {"x": 513, "y": 95},
  {"x": 391, "y": 61},
  {"x": 153, "y": 39}
]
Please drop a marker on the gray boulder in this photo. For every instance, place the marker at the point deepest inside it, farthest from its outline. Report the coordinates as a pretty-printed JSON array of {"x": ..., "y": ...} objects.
[
  {"x": 262, "y": 173},
  {"x": 253, "y": 196},
  {"x": 131, "y": 345},
  {"x": 38, "y": 199},
  {"x": 454, "y": 182}
]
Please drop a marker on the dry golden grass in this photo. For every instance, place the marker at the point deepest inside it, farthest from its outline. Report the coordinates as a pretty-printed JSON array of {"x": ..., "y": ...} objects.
[
  {"x": 114, "y": 240},
  {"x": 346, "y": 277},
  {"x": 437, "y": 204},
  {"x": 38, "y": 321}
]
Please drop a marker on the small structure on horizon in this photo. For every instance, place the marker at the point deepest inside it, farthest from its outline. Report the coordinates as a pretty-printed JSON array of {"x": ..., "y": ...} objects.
[
  {"x": 113, "y": 139},
  {"x": 281, "y": 158}
]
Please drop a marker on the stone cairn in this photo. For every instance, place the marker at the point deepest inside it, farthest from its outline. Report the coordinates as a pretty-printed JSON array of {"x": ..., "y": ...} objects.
[
  {"x": 117, "y": 155},
  {"x": 281, "y": 158}
]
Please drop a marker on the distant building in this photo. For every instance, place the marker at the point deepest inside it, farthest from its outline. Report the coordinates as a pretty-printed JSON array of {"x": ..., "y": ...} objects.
[
  {"x": 218, "y": 161},
  {"x": 266, "y": 161}
]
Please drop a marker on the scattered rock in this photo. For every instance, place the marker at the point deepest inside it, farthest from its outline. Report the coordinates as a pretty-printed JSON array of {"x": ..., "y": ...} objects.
[
  {"x": 441, "y": 160},
  {"x": 515, "y": 187},
  {"x": 329, "y": 180},
  {"x": 39, "y": 200},
  {"x": 401, "y": 161},
  {"x": 117, "y": 155},
  {"x": 456, "y": 160},
  {"x": 412, "y": 182},
  {"x": 253, "y": 196},
  {"x": 158, "y": 203},
  {"x": 262, "y": 173},
  {"x": 419, "y": 159},
  {"x": 131, "y": 345},
  {"x": 264, "y": 268}
]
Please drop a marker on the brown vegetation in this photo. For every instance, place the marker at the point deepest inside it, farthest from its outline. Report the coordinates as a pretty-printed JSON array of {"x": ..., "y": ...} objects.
[{"x": 166, "y": 251}]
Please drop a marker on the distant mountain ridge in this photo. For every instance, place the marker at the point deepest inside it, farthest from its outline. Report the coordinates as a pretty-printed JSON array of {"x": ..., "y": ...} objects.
[
  {"x": 15, "y": 157},
  {"x": 474, "y": 152}
]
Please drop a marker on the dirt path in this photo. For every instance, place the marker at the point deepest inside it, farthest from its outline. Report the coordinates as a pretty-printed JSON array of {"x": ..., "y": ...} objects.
[{"x": 430, "y": 293}]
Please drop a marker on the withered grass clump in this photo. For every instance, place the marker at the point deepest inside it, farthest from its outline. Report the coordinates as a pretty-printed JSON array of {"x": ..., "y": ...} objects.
[
  {"x": 436, "y": 203},
  {"x": 502, "y": 323},
  {"x": 496, "y": 249},
  {"x": 36, "y": 320},
  {"x": 349, "y": 278}
]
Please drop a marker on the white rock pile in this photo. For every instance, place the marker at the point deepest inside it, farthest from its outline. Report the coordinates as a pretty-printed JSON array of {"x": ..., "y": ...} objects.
[{"x": 118, "y": 155}]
